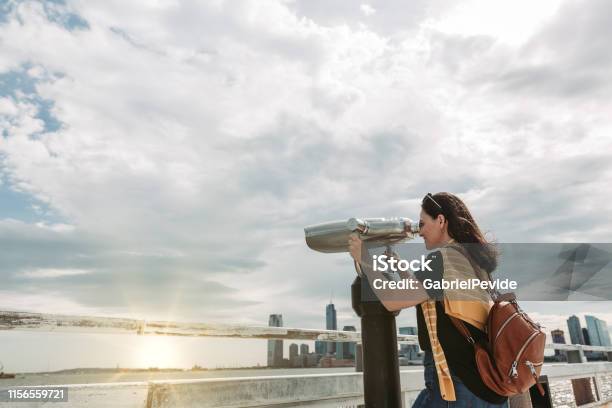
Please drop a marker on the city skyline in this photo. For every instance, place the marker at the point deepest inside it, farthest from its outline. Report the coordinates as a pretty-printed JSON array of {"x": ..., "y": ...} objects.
[
  {"x": 412, "y": 352},
  {"x": 597, "y": 329},
  {"x": 299, "y": 355}
]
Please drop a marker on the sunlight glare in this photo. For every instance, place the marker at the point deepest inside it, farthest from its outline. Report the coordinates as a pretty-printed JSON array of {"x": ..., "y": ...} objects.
[{"x": 156, "y": 351}]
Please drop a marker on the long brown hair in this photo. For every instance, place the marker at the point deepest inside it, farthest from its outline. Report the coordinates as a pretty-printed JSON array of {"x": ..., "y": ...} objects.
[{"x": 462, "y": 228}]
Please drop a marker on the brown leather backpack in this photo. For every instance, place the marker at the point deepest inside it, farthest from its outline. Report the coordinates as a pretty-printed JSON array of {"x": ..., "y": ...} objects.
[{"x": 511, "y": 359}]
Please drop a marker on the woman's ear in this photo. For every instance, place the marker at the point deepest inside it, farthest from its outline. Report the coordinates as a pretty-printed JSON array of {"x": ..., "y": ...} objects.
[{"x": 441, "y": 219}]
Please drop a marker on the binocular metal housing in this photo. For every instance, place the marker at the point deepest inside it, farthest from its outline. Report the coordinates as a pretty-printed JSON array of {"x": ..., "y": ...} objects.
[{"x": 331, "y": 237}]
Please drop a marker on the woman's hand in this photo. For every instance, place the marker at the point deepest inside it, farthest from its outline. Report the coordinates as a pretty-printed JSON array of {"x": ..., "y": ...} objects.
[{"x": 354, "y": 245}]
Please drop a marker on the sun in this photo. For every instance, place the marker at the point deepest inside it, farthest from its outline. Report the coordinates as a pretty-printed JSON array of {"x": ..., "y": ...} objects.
[{"x": 156, "y": 351}]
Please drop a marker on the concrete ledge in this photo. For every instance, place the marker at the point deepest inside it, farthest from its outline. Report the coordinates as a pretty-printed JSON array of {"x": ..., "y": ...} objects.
[
  {"x": 558, "y": 372},
  {"x": 254, "y": 391},
  {"x": 320, "y": 390}
]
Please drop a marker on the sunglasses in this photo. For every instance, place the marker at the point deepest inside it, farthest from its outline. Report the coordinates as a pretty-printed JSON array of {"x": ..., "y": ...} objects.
[{"x": 430, "y": 196}]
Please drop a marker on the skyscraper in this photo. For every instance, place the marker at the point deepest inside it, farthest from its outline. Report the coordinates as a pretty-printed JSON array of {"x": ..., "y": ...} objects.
[
  {"x": 585, "y": 335},
  {"x": 591, "y": 322},
  {"x": 575, "y": 330},
  {"x": 320, "y": 347},
  {"x": 331, "y": 324},
  {"x": 587, "y": 341},
  {"x": 598, "y": 334},
  {"x": 604, "y": 334},
  {"x": 275, "y": 347},
  {"x": 598, "y": 331},
  {"x": 346, "y": 350}
]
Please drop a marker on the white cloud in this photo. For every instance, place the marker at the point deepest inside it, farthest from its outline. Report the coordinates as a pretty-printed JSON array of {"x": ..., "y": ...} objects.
[
  {"x": 7, "y": 107},
  {"x": 510, "y": 23},
  {"x": 49, "y": 273},
  {"x": 367, "y": 10},
  {"x": 45, "y": 303}
]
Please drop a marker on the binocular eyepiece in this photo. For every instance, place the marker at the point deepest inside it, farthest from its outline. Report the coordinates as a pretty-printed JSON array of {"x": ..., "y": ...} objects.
[{"x": 330, "y": 237}]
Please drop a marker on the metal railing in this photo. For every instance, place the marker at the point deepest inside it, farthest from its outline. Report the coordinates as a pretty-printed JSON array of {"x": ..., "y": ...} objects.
[{"x": 10, "y": 320}]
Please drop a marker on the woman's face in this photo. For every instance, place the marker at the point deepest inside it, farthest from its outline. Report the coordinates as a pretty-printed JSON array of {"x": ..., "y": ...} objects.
[{"x": 432, "y": 230}]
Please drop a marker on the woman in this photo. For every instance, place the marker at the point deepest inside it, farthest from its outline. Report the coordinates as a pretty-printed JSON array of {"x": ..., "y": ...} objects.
[{"x": 451, "y": 375}]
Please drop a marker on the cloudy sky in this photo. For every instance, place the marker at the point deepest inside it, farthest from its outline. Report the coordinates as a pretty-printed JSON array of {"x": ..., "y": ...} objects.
[{"x": 159, "y": 159}]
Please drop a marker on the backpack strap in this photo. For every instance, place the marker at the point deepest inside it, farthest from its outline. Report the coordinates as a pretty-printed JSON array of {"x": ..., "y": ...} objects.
[{"x": 458, "y": 323}]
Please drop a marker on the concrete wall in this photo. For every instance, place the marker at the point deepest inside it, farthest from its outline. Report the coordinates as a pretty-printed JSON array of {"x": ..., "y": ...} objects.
[{"x": 319, "y": 390}]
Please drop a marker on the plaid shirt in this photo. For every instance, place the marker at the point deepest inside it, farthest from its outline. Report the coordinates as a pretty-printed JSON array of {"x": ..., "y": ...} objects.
[{"x": 471, "y": 306}]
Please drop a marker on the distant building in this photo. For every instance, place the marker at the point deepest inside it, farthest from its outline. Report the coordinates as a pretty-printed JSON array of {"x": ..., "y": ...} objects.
[
  {"x": 330, "y": 361},
  {"x": 587, "y": 341},
  {"x": 585, "y": 335},
  {"x": 575, "y": 330},
  {"x": 320, "y": 347},
  {"x": 293, "y": 351},
  {"x": 311, "y": 359},
  {"x": 295, "y": 359},
  {"x": 331, "y": 324},
  {"x": 275, "y": 347},
  {"x": 346, "y": 349},
  {"x": 598, "y": 335},
  {"x": 604, "y": 334},
  {"x": 557, "y": 336},
  {"x": 409, "y": 351},
  {"x": 591, "y": 322},
  {"x": 598, "y": 331}
]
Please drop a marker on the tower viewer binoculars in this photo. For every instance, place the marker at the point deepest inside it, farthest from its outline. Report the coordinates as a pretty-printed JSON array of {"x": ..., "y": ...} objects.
[{"x": 330, "y": 237}]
